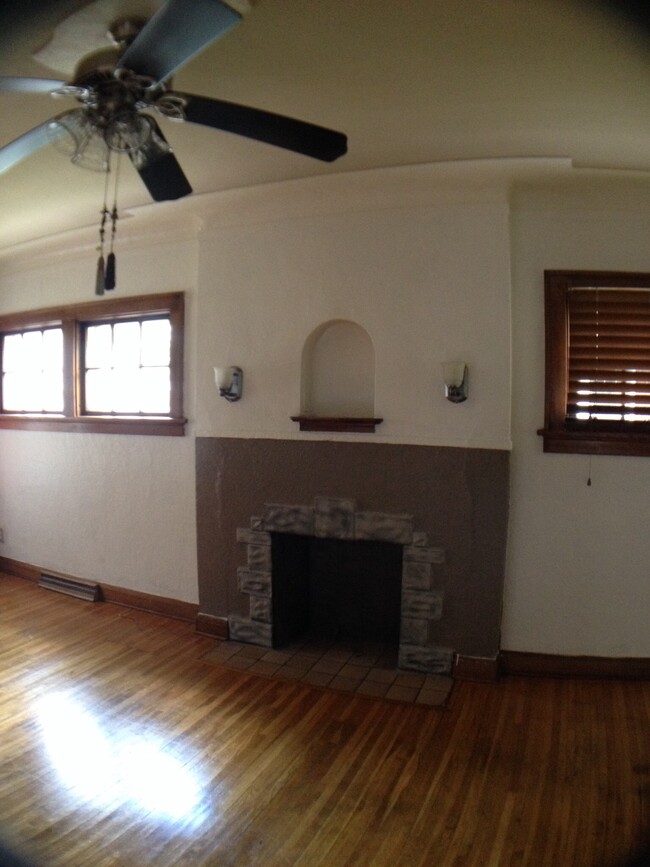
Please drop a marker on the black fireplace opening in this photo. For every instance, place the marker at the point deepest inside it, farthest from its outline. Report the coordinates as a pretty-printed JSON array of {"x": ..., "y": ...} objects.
[{"x": 335, "y": 589}]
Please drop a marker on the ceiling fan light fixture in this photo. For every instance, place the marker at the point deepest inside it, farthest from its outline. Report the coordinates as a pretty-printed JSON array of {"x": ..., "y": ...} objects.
[
  {"x": 127, "y": 132},
  {"x": 76, "y": 136},
  {"x": 150, "y": 151}
]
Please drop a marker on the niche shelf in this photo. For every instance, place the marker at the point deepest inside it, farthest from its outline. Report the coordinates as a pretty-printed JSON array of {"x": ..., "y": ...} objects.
[
  {"x": 337, "y": 423},
  {"x": 338, "y": 380}
]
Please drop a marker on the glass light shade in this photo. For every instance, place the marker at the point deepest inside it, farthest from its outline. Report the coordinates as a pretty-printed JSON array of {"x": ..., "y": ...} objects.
[
  {"x": 453, "y": 373},
  {"x": 223, "y": 377},
  {"x": 75, "y": 135},
  {"x": 152, "y": 149},
  {"x": 128, "y": 131}
]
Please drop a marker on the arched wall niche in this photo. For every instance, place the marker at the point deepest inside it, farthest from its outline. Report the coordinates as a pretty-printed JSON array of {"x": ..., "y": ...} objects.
[{"x": 338, "y": 373}]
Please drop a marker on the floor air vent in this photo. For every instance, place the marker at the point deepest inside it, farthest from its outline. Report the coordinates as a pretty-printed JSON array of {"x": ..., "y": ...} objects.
[{"x": 70, "y": 586}]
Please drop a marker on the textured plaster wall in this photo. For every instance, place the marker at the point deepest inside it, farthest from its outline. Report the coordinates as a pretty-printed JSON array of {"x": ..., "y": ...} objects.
[
  {"x": 117, "y": 509},
  {"x": 577, "y": 577}
]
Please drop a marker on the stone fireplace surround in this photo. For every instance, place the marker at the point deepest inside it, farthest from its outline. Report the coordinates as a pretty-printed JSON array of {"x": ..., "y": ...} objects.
[{"x": 422, "y": 579}]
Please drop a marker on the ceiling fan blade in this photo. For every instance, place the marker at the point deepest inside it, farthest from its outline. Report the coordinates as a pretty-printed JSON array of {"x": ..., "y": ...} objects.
[
  {"x": 176, "y": 32},
  {"x": 30, "y": 85},
  {"x": 23, "y": 146},
  {"x": 159, "y": 169},
  {"x": 276, "y": 129}
]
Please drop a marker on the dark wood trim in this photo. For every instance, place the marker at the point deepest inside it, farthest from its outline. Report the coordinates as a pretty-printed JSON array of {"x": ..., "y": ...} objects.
[
  {"x": 165, "y": 606},
  {"x": 477, "y": 668},
  {"x": 109, "y": 308},
  {"x": 170, "y": 427},
  {"x": 212, "y": 625},
  {"x": 71, "y": 319},
  {"x": 20, "y": 569},
  {"x": 568, "y": 441},
  {"x": 336, "y": 423},
  {"x": 558, "y": 435},
  {"x": 551, "y": 665}
]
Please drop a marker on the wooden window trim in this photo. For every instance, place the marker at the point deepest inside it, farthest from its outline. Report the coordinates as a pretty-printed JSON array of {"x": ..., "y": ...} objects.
[
  {"x": 575, "y": 437},
  {"x": 70, "y": 319}
]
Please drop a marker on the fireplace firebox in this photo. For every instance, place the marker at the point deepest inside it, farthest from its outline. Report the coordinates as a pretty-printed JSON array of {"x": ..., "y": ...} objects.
[
  {"x": 335, "y": 589},
  {"x": 336, "y": 569}
]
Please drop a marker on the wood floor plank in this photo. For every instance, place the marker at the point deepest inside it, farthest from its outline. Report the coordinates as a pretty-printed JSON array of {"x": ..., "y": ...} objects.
[{"x": 121, "y": 745}]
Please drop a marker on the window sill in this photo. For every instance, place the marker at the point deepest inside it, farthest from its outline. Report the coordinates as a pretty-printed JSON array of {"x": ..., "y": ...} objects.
[
  {"x": 171, "y": 427},
  {"x": 590, "y": 442}
]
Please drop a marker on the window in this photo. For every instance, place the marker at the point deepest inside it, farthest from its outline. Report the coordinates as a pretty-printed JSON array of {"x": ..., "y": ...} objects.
[
  {"x": 111, "y": 366},
  {"x": 597, "y": 363}
]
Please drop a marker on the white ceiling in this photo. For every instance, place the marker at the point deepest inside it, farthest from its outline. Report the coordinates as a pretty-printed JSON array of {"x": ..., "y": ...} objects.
[{"x": 409, "y": 81}]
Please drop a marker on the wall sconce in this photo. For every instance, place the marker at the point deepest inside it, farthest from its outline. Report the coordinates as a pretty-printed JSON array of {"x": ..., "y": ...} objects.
[
  {"x": 454, "y": 374},
  {"x": 229, "y": 382}
]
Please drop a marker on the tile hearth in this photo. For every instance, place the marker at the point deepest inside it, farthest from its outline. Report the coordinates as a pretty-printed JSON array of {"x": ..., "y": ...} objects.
[{"x": 358, "y": 668}]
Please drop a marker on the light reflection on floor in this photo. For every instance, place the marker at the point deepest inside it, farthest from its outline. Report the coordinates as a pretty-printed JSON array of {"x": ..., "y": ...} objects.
[{"x": 104, "y": 768}]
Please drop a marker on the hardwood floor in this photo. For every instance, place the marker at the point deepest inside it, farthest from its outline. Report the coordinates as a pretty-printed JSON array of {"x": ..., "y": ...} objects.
[{"x": 120, "y": 745}]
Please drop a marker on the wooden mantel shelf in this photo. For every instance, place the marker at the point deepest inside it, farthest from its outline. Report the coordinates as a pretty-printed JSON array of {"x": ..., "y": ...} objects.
[{"x": 336, "y": 423}]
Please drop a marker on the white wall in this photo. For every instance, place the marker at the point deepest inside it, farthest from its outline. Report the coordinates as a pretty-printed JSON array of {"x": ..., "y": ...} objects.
[
  {"x": 116, "y": 509},
  {"x": 427, "y": 276},
  {"x": 578, "y": 564},
  {"x": 425, "y": 268}
]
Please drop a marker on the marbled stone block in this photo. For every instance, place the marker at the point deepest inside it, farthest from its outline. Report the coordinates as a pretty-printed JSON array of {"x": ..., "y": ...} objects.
[
  {"x": 424, "y": 554},
  {"x": 420, "y": 538},
  {"x": 253, "y": 537},
  {"x": 257, "y": 523},
  {"x": 413, "y": 631},
  {"x": 382, "y": 527},
  {"x": 259, "y": 558},
  {"x": 435, "y": 660},
  {"x": 424, "y": 604},
  {"x": 416, "y": 575},
  {"x": 334, "y": 518},
  {"x": 250, "y": 631},
  {"x": 289, "y": 519},
  {"x": 257, "y": 583},
  {"x": 261, "y": 608}
]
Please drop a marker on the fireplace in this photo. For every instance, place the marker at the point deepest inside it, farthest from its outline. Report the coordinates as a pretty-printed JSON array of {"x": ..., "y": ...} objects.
[{"x": 338, "y": 570}]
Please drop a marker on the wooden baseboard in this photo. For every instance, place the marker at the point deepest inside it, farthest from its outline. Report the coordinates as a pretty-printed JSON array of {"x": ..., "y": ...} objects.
[
  {"x": 484, "y": 669},
  {"x": 161, "y": 605},
  {"x": 19, "y": 569},
  {"x": 210, "y": 624},
  {"x": 551, "y": 665}
]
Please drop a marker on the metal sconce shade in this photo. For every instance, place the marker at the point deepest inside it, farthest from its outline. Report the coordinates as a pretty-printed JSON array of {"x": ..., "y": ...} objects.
[
  {"x": 455, "y": 377},
  {"x": 229, "y": 382}
]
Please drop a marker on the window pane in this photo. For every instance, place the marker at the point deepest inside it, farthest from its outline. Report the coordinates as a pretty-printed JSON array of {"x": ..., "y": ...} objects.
[
  {"x": 12, "y": 392},
  {"x": 156, "y": 338},
  {"x": 52, "y": 394},
  {"x": 99, "y": 390},
  {"x": 32, "y": 350},
  {"x": 33, "y": 365},
  {"x": 126, "y": 395},
  {"x": 126, "y": 344},
  {"x": 99, "y": 339},
  {"x": 154, "y": 390},
  {"x": 133, "y": 358},
  {"x": 12, "y": 355}
]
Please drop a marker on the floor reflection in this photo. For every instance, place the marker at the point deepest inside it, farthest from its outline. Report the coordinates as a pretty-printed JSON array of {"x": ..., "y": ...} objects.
[{"x": 102, "y": 767}]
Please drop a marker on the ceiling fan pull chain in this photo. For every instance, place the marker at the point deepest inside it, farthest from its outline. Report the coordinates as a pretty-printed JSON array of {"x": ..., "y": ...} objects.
[
  {"x": 100, "y": 282},
  {"x": 109, "y": 279}
]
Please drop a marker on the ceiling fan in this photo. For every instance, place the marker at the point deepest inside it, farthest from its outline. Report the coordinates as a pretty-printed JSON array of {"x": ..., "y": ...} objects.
[{"x": 117, "y": 91}]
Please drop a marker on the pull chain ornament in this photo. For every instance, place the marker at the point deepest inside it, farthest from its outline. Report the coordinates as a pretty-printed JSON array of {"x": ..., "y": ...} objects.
[
  {"x": 99, "y": 276},
  {"x": 105, "y": 273},
  {"x": 109, "y": 278}
]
